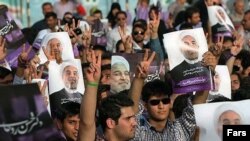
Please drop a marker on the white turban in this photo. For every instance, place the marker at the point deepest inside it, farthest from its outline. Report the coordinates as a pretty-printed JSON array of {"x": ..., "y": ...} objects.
[{"x": 119, "y": 60}]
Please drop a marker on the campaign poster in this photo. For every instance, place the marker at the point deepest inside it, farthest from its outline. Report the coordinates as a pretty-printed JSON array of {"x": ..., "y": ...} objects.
[
  {"x": 65, "y": 83},
  {"x": 220, "y": 22},
  {"x": 185, "y": 49},
  {"x": 210, "y": 118},
  {"x": 10, "y": 31},
  {"x": 58, "y": 47},
  {"x": 23, "y": 115},
  {"x": 221, "y": 83}
]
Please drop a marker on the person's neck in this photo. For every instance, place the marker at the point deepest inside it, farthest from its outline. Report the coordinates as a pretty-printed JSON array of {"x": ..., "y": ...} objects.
[
  {"x": 158, "y": 125},
  {"x": 110, "y": 136}
]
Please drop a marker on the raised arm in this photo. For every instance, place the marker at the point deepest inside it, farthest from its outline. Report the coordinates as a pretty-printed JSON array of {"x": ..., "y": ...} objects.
[
  {"x": 138, "y": 82},
  {"x": 87, "y": 128}
]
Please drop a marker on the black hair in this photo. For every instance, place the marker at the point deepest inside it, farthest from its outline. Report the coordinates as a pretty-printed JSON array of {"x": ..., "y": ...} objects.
[
  {"x": 121, "y": 12},
  {"x": 106, "y": 55},
  {"x": 99, "y": 47},
  {"x": 139, "y": 26},
  {"x": 155, "y": 88},
  {"x": 244, "y": 55},
  {"x": 179, "y": 104},
  {"x": 50, "y": 14},
  {"x": 111, "y": 107},
  {"x": 186, "y": 25},
  {"x": 67, "y": 109},
  {"x": 111, "y": 17},
  {"x": 118, "y": 43},
  {"x": 190, "y": 11},
  {"x": 46, "y": 3}
]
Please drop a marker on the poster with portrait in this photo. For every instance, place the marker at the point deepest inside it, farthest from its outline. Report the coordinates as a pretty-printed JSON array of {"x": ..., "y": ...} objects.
[
  {"x": 185, "y": 49},
  {"x": 123, "y": 69},
  {"x": 24, "y": 115},
  {"x": 65, "y": 82},
  {"x": 218, "y": 114},
  {"x": 220, "y": 22},
  {"x": 10, "y": 31},
  {"x": 58, "y": 46},
  {"x": 221, "y": 83}
]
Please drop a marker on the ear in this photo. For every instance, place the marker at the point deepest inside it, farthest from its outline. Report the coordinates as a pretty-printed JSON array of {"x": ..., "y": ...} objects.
[
  {"x": 58, "y": 124},
  {"x": 110, "y": 123}
]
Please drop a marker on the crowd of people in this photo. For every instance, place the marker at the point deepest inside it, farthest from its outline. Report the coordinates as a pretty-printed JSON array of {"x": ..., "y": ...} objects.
[{"x": 117, "y": 105}]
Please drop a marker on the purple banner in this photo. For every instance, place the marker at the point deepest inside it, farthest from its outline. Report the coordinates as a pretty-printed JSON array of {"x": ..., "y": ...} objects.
[
  {"x": 12, "y": 57},
  {"x": 10, "y": 31},
  {"x": 23, "y": 115}
]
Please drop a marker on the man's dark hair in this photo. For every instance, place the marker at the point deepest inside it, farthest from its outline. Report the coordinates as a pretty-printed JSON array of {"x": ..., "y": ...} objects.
[
  {"x": 118, "y": 43},
  {"x": 244, "y": 55},
  {"x": 111, "y": 107},
  {"x": 97, "y": 12},
  {"x": 51, "y": 14},
  {"x": 190, "y": 11},
  {"x": 154, "y": 8},
  {"x": 139, "y": 26},
  {"x": 247, "y": 12},
  {"x": 186, "y": 25},
  {"x": 121, "y": 12},
  {"x": 67, "y": 109},
  {"x": 45, "y": 4},
  {"x": 99, "y": 47},
  {"x": 180, "y": 103},
  {"x": 140, "y": 21},
  {"x": 106, "y": 55},
  {"x": 155, "y": 88}
]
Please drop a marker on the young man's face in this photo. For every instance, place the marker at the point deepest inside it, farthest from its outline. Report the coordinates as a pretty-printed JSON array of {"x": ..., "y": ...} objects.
[
  {"x": 105, "y": 76},
  {"x": 70, "y": 126},
  {"x": 190, "y": 49},
  {"x": 195, "y": 18},
  {"x": 158, "y": 108},
  {"x": 52, "y": 22},
  {"x": 235, "y": 82},
  {"x": 246, "y": 22},
  {"x": 47, "y": 8},
  {"x": 125, "y": 129},
  {"x": 138, "y": 35},
  {"x": 120, "y": 78}
]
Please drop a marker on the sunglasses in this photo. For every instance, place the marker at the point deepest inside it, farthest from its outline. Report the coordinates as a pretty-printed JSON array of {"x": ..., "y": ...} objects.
[
  {"x": 138, "y": 32},
  {"x": 155, "y": 102}
]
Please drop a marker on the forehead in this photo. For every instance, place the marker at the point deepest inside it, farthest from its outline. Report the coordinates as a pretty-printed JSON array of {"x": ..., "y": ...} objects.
[
  {"x": 121, "y": 15},
  {"x": 119, "y": 67},
  {"x": 70, "y": 68},
  {"x": 138, "y": 28},
  {"x": 54, "y": 40},
  {"x": 127, "y": 111},
  {"x": 229, "y": 114},
  {"x": 158, "y": 96},
  {"x": 188, "y": 38}
]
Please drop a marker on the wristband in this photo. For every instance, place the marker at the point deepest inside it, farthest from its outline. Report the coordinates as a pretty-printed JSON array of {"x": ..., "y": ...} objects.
[{"x": 93, "y": 84}]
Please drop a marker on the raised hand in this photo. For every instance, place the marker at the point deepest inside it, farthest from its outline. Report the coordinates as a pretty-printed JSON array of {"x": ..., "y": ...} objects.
[
  {"x": 86, "y": 38},
  {"x": 93, "y": 72},
  {"x": 154, "y": 25},
  {"x": 143, "y": 66},
  {"x": 3, "y": 50},
  {"x": 23, "y": 57},
  {"x": 209, "y": 60},
  {"x": 237, "y": 45},
  {"x": 126, "y": 40},
  {"x": 217, "y": 48}
]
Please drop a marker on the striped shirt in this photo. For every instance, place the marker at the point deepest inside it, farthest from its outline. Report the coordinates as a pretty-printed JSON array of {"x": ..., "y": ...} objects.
[{"x": 181, "y": 129}]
